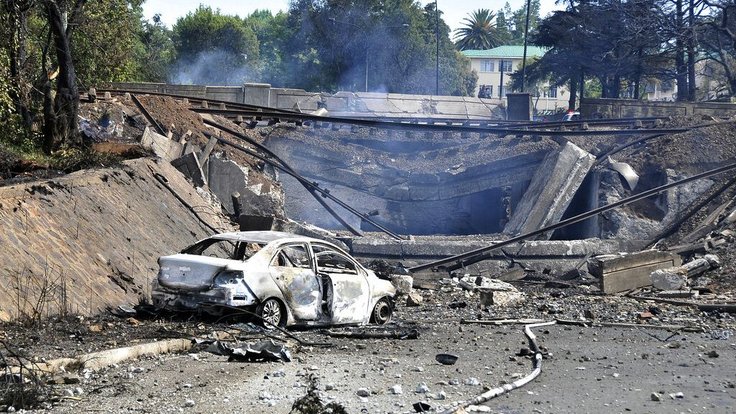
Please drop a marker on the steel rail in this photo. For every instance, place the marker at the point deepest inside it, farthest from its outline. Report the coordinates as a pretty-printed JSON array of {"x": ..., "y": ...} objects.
[
  {"x": 286, "y": 169},
  {"x": 445, "y": 128},
  {"x": 479, "y": 254},
  {"x": 148, "y": 115},
  {"x": 327, "y": 207}
]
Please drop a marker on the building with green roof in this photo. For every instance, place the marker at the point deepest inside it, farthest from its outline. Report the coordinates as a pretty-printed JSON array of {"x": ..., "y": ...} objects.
[{"x": 494, "y": 66}]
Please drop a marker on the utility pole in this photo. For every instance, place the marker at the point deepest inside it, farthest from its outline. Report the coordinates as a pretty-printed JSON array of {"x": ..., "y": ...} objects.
[
  {"x": 437, "y": 41},
  {"x": 526, "y": 34}
]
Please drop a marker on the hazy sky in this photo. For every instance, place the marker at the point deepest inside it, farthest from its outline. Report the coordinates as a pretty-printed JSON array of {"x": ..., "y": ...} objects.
[{"x": 453, "y": 10}]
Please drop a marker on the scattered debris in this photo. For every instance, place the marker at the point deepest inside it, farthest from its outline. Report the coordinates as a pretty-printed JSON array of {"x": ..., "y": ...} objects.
[
  {"x": 394, "y": 333},
  {"x": 414, "y": 299},
  {"x": 676, "y": 278},
  {"x": 446, "y": 359},
  {"x": 260, "y": 351},
  {"x": 495, "y": 392},
  {"x": 311, "y": 403},
  {"x": 421, "y": 407}
]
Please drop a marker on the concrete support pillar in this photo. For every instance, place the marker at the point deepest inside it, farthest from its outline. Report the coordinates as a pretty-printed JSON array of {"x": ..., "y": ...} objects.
[{"x": 551, "y": 190}]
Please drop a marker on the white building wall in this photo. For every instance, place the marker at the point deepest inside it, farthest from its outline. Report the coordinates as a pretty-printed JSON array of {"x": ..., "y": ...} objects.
[{"x": 489, "y": 74}]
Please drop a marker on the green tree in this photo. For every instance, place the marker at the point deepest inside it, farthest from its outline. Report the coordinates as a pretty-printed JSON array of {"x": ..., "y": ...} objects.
[
  {"x": 60, "y": 111},
  {"x": 157, "y": 54},
  {"x": 618, "y": 43},
  {"x": 212, "y": 48},
  {"x": 478, "y": 32},
  {"x": 272, "y": 32},
  {"x": 518, "y": 20},
  {"x": 503, "y": 33},
  {"x": 717, "y": 34},
  {"x": 105, "y": 52},
  {"x": 387, "y": 45}
]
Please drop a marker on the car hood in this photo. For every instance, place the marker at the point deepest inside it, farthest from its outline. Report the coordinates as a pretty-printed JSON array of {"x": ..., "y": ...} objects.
[{"x": 190, "y": 272}]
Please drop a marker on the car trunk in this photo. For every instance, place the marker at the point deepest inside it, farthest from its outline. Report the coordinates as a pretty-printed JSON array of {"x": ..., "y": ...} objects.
[{"x": 189, "y": 272}]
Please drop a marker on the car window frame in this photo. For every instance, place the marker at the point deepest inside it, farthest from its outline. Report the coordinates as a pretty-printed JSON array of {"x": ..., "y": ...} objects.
[
  {"x": 359, "y": 270},
  {"x": 280, "y": 250}
]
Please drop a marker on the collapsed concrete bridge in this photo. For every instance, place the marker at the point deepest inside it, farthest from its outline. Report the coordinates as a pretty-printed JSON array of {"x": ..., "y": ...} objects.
[{"x": 435, "y": 184}]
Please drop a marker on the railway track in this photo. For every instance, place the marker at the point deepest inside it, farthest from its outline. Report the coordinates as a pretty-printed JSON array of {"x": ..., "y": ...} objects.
[{"x": 251, "y": 115}]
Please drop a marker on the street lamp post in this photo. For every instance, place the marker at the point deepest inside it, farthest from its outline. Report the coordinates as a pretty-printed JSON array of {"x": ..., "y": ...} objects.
[
  {"x": 523, "y": 61},
  {"x": 437, "y": 41}
]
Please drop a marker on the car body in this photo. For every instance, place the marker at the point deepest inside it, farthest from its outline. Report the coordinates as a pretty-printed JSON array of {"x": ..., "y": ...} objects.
[{"x": 284, "y": 279}]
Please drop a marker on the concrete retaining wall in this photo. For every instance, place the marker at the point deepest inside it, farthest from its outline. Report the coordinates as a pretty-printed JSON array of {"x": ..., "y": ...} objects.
[{"x": 632, "y": 108}]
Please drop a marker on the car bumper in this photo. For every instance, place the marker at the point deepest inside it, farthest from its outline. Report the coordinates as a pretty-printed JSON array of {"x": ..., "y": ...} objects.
[{"x": 202, "y": 300}]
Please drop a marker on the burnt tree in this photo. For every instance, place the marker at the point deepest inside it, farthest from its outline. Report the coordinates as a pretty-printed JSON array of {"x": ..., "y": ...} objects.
[{"x": 60, "y": 119}]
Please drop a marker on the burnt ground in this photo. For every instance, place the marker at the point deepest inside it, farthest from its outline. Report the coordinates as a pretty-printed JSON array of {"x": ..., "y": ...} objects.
[{"x": 586, "y": 369}]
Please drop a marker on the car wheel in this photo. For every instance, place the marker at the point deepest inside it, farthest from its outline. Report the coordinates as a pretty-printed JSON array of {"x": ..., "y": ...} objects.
[
  {"x": 272, "y": 313},
  {"x": 382, "y": 312}
]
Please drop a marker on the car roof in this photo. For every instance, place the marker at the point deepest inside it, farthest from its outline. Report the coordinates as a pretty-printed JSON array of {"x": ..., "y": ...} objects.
[{"x": 259, "y": 236}]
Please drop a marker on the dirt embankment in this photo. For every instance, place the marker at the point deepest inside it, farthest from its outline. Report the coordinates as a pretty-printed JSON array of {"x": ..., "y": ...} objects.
[{"x": 81, "y": 242}]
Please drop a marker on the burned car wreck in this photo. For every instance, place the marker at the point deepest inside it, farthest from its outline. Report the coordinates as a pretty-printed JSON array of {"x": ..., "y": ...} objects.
[{"x": 283, "y": 278}]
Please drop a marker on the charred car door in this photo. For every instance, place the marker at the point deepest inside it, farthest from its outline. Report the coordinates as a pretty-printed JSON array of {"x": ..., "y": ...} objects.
[
  {"x": 292, "y": 271},
  {"x": 346, "y": 289}
]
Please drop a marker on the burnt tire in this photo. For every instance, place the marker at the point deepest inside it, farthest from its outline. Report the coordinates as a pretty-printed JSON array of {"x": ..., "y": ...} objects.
[
  {"x": 382, "y": 312},
  {"x": 271, "y": 313}
]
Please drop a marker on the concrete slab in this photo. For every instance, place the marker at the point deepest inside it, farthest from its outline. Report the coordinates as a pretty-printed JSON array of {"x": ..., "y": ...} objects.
[
  {"x": 257, "y": 94},
  {"x": 619, "y": 273},
  {"x": 190, "y": 166},
  {"x": 162, "y": 146},
  {"x": 552, "y": 188},
  {"x": 225, "y": 177},
  {"x": 557, "y": 256}
]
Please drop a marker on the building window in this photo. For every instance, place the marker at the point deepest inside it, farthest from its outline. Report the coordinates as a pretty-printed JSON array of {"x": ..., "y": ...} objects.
[
  {"x": 485, "y": 91},
  {"x": 486, "y": 65},
  {"x": 552, "y": 93},
  {"x": 506, "y": 66}
]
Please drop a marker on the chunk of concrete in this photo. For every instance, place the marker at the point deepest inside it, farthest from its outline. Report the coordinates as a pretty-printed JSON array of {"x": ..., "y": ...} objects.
[
  {"x": 248, "y": 202},
  {"x": 489, "y": 297},
  {"x": 675, "y": 278},
  {"x": 190, "y": 166},
  {"x": 414, "y": 299},
  {"x": 162, "y": 146},
  {"x": 552, "y": 188},
  {"x": 402, "y": 283},
  {"x": 669, "y": 279},
  {"x": 468, "y": 282},
  {"x": 225, "y": 177},
  {"x": 618, "y": 273}
]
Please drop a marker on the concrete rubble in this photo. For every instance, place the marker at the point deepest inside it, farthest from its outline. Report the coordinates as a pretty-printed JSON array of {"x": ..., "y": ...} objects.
[{"x": 676, "y": 278}]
